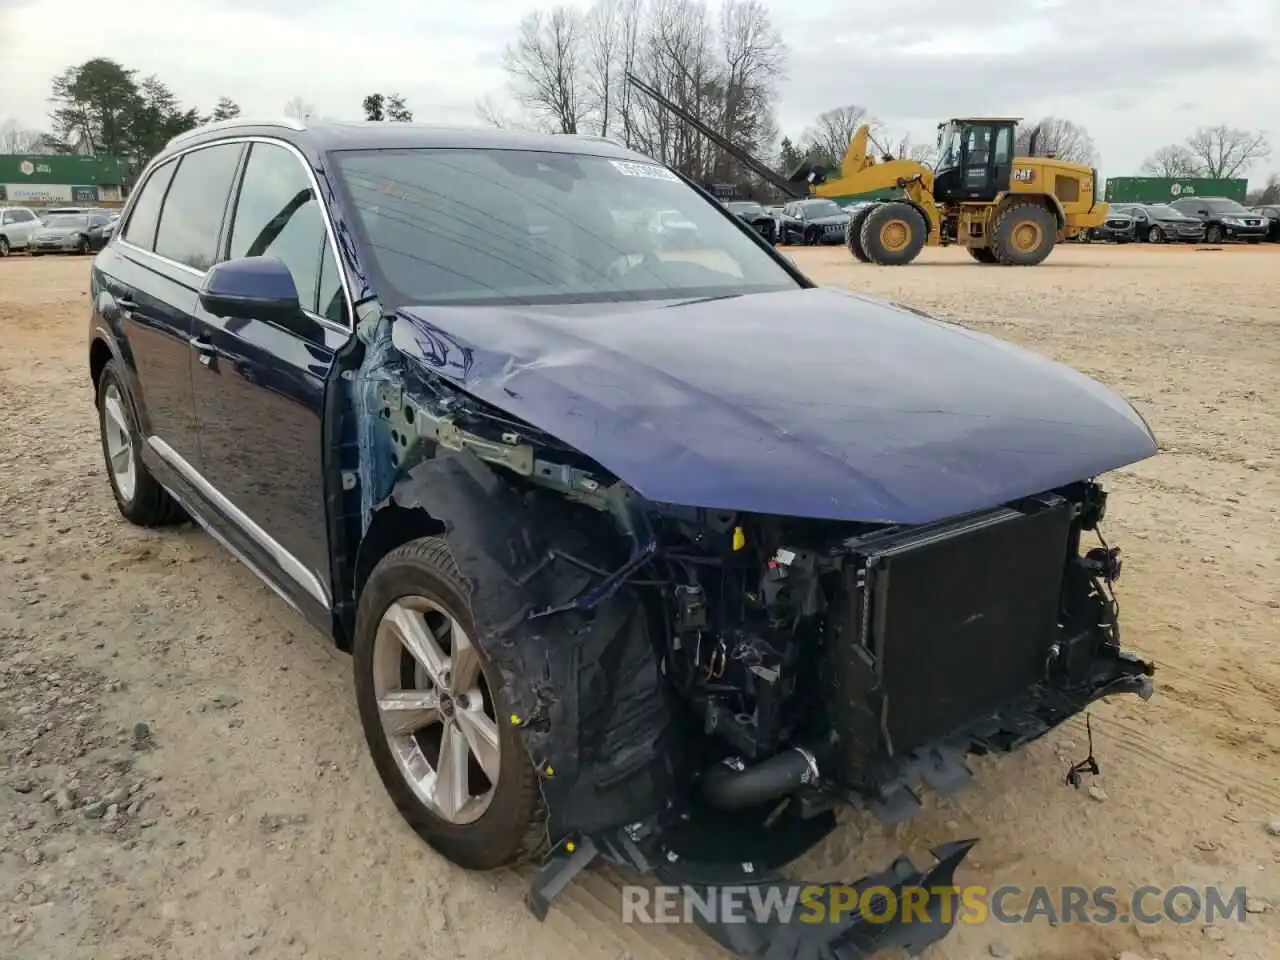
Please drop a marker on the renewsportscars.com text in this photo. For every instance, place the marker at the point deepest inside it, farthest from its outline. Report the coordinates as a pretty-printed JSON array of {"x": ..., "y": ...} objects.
[{"x": 816, "y": 904}]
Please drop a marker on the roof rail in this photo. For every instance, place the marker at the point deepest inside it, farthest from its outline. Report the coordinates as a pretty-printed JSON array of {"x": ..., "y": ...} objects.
[{"x": 287, "y": 122}]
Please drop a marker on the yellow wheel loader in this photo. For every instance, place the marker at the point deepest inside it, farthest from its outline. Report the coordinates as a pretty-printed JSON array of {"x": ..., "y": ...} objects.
[{"x": 1002, "y": 208}]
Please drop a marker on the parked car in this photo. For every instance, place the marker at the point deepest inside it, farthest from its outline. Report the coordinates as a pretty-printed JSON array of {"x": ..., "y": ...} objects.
[
  {"x": 1160, "y": 223},
  {"x": 1223, "y": 218},
  {"x": 1119, "y": 227},
  {"x": 673, "y": 230},
  {"x": 70, "y": 233},
  {"x": 1272, "y": 213},
  {"x": 755, "y": 216},
  {"x": 813, "y": 221},
  {"x": 17, "y": 224},
  {"x": 628, "y": 548}
]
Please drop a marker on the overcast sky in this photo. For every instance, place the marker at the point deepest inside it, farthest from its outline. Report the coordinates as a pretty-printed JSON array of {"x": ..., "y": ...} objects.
[{"x": 1137, "y": 73}]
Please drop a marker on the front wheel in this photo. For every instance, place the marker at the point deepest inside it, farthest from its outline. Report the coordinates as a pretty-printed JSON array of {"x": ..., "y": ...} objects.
[
  {"x": 893, "y": 233},
  {"x": 82, "y": 246},
  {"x": 1155, "y": 235},
  {"x": 435, "y": 714},
  {"x": 1213, "y": 234},
  {"x": 4, "y": 246}
]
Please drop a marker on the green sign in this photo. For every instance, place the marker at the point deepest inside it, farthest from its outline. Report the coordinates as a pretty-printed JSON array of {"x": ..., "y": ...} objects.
[{"x": 28, "y": 169}]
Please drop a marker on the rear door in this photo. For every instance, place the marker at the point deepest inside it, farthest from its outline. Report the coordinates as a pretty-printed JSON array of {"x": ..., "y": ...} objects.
[
  {"x": 259, "y": 386},
  {"x": 150, "y": 277}
]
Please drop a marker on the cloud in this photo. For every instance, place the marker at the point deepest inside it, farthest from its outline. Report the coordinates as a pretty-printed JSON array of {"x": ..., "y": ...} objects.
[{"x": 1137, "y": 75}]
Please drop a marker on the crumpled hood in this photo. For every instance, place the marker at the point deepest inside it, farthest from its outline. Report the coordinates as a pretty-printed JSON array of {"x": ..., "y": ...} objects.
[{"x": 809, "y": 403}]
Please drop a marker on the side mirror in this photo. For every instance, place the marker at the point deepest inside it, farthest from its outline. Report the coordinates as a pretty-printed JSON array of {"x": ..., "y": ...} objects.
[{"x": 251, "y": 288}]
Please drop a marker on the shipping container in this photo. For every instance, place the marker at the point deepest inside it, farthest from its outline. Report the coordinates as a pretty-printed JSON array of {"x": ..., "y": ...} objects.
[{"x": 1165, "y": 189}]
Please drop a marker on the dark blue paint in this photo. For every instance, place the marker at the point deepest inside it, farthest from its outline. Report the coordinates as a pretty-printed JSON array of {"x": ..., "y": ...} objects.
[
  {"x": 249, "y": 287},
  {"x": 815, "y": 403}
]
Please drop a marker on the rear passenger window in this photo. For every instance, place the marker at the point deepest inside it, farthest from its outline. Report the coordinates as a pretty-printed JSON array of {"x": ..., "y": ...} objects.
[
  {"x": 278, "y": 215},
  {"x": 192, "y": 215},
  {"x": 141, "y": 228}
]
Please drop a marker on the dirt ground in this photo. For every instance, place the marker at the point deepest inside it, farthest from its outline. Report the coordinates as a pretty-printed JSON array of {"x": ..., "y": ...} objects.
[{"x": 182, "y": 773}]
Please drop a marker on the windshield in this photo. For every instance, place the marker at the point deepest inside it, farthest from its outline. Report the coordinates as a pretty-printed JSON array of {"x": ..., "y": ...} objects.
[
  {"x": 66, "y": 220},
  {"x": 1164, "y": 210},
  {"x": 1225, "y": 206},
  {"x": 949, "y": 147},
  {"x": 475, "y": 226},
  {"x": 822, "y": 208}
]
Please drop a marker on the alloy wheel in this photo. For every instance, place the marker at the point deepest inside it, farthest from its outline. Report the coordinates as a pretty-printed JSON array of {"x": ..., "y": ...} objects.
[
  {"x": 436, "y": 709},
  {"x": 115, "y": 425}
]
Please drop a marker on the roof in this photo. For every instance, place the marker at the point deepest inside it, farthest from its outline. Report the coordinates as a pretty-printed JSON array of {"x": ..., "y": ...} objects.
[
  {"x": 981, "y": 120},
  {"x": 330, "y": 135}
]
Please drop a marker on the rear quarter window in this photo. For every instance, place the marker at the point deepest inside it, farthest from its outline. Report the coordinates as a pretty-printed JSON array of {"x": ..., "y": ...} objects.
[{"x": 141, "y": 228}]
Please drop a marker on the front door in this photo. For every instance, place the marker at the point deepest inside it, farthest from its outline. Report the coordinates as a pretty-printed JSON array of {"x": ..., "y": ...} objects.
[{"x": 259, "y": 387}]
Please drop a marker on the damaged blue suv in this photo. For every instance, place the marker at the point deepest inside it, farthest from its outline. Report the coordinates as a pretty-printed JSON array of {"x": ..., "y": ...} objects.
[{"x": 645, "y": 548}]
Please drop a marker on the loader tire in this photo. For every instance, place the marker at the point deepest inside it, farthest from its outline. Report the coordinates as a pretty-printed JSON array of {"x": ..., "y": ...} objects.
[
  {"x": 1024, "y": 234},
  {"x": 893, "y": 234},
  {"x": 853, "y": 236},
  {"x": 982, "y": 254}
]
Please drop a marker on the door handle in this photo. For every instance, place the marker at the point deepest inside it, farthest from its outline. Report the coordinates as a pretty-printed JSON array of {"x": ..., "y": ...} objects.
[
  {"x": 205, "y": 349},
  {"x": 126, "y": 303}
]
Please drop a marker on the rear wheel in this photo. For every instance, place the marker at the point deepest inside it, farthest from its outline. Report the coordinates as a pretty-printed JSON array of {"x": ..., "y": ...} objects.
[
  {"x": 4, "y": 246},
  {"x": 893, "y": 234},
  {"x": 982, "y": 254},
  {"x": 435, "y": 713},
  {"x": 139, "y": 496},
  {"x": 1024, "y": 234}
]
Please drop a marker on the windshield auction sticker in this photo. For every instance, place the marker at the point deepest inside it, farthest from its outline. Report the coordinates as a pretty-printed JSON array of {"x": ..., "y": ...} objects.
[{"x": 651, "y": 171}]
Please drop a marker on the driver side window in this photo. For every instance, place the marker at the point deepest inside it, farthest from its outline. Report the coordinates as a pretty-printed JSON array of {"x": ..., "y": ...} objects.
[{"x": 278, "y": 215}]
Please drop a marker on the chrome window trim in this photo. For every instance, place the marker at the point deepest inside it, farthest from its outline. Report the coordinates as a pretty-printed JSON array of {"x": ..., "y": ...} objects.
[
  {"x": 332, "y": 235},
  {"x": 287, "y": 562}
]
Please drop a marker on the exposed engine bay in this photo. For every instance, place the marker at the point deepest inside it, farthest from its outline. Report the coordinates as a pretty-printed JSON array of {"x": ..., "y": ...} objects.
[{"x": 823, "y": 656}]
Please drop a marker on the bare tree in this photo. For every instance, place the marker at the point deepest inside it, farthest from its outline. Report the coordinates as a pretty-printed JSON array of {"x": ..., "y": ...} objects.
[
  {"x": 491, "y": 113},
  {"x": 908, "y": 149},
  {"x": 545, "y": 68},
  {"x": 833, "y": 129},
  {"x": 1268, "y": 194},
  {"x": 1172, "y": 161},
  {"x": 1058, "y": 138},
  {"x": 752, "y": 55},
  {"x": 630, "y": 24},
  {"x": 15, "y": 138},
  {"x": 604, "y": 42},
  {"x": 299, "y": 109},
  {"x": 1224, "y": 152}
]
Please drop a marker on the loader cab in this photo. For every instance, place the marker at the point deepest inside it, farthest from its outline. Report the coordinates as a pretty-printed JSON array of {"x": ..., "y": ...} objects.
[{"x": 975, "y": 159}]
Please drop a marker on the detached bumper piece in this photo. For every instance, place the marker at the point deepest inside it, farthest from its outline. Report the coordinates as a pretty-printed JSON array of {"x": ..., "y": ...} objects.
[{"x": 775, "y": 917}]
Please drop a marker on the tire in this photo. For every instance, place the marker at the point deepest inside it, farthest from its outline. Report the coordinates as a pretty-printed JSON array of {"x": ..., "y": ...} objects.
[
  {"x": 982, "y": 254},
  {"x": 141, "y": 499},
  {"x": 853, "y": 236},
  {"x": 82, "y": 247},
  {"x": 4, "y": 246},
  {"x": 1155, "y": 235},
  {"x": 893, "y": 234},
  {"x": 810, "y": 237},
  {"x": 1213, "y": 234},
  {"x": 511, "y": 826},
  {"x": 1024, "y": 234}
]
